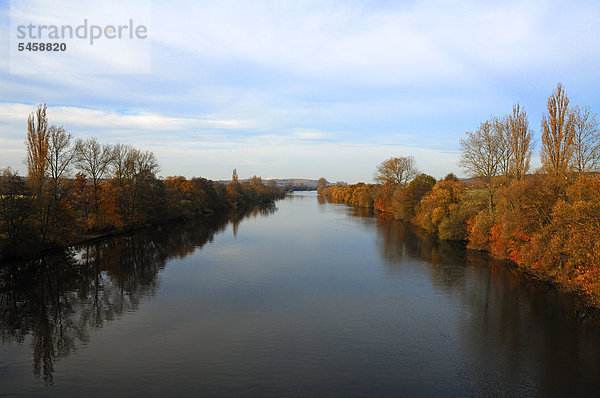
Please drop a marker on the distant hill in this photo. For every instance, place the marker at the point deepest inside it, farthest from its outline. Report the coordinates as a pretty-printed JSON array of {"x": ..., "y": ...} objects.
[
  {"x": 295, "y": 182},
  {"x": 298, "y": 184}
]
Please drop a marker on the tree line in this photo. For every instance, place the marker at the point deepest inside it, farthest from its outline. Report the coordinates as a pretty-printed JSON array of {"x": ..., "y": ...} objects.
[
  {"x": 546, "y": 221},
  {"x": 79, "y": 188}
]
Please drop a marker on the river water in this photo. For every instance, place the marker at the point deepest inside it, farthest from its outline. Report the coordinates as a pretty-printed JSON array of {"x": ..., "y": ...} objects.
[{"x": 304, "y": 299}]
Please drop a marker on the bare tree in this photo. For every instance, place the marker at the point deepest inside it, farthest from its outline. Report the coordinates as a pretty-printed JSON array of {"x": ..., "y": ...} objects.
[
  {"x": 558, "y": 133},
  {"x": 481, "y": 155},
  {"x": 120, "y": 154},
  {"x": 142, "y": 163},
  {"x": 502, "y": 131},
  {"x": 93, "y": 159},
  {"x": 586, "y": 140},
  {"x": 398, "y": 170},
  {"x": 520, "y": 142},
  {"x": 140, "y": 168},
  {"x": 60, "y": 155}
]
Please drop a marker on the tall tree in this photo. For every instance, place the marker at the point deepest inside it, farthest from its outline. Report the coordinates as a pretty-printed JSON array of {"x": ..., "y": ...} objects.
[
  {"x": 139, "y": 175},
  {"x": 322, "y": 183},
  {"x": 558, "y": 133},
  {"x": 396, "y": 171},
  {"x": 501, "y": 127},
  {"x": 481, "y": 155},
  {"x": 234, "y": 191},
  {"x": 120, "y": 153},
  {"x": 93, "y": 159},
  {"x": 520, "y": 142},
  {"x": 59, "y": 159},
  {"x": 586, "y": 140},
  {"x": 60, "y": 155},
  {"x": 37, "y": 164},
  {"x": 37, "y": 148}
]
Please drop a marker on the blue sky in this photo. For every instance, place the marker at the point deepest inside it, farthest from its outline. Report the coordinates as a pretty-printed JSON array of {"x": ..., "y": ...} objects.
[{"x": 305, "y": 88}]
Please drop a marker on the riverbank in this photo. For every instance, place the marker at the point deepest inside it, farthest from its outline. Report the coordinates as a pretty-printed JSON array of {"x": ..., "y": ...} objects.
[
  {"x": 219, "y": 218},
  {"x": 79, "y": 188},
  {"x": 547, "y": 227},
  {"x": 180, "y": 200}
]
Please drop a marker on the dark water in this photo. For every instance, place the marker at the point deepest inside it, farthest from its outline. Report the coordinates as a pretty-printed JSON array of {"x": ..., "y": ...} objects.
[{"x": 311, "y": 299}]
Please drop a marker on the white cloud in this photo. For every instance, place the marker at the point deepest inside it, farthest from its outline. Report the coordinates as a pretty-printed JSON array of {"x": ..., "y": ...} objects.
[
  {"x": 424, "y": 42},
  {"x": 300, "y": 152},
  {"x": 351, "y": 163},
  {"x": 318, "y": 87},
  {"x": 76, "y": 117}
]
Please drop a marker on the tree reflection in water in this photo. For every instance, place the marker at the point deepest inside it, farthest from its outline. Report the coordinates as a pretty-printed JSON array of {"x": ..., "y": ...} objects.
[
  {"x": 59, "y": 298},
  {"x": 506, "y": 319}
]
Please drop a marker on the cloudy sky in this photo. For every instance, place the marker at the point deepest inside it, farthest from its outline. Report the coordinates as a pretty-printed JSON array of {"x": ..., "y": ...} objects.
[{"x": 299, "y": 88}]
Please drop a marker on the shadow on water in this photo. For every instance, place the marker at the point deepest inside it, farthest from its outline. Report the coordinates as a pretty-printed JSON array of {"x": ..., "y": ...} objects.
[
  {"x": 507, "y": 320},
  {"x": 56, "y": 301}
]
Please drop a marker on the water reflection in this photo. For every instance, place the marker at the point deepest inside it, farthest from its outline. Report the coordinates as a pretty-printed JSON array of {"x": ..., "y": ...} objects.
[
  {"x": 310, "y": 302},
  {"x": 518, "y": 335},
  {"x": 57, "y": 300}
]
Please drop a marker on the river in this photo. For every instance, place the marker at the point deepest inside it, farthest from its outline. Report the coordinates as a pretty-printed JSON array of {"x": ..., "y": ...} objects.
[{"x": 303, "y": 299}]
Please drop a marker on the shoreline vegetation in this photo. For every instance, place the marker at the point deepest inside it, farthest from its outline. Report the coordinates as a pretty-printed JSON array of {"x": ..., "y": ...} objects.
[
  {"x": 79, "y": 190},
  {"x": 546, "y": 222}
]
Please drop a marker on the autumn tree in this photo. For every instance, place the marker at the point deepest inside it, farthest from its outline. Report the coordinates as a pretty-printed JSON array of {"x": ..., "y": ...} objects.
[
  {"x": 81, "y": 198},
  {"x": 481, "y": 155},
  {"x": 184, "y": 197},
  {"x": 361, "y": 195},
  {"x": 437, "y": 210},
  {"x": 405, "y": 200},
  {"x": 234, "y": 191},
  {"x": 15, "y": 206},
  {"x": 256, "y": 181},
  {"x": 37, "y": 148},
  {"x": 322, "y": 183},
  {"x": 558, "y": 133},
  {"x": 451, "y": 177},
  {"x": 586, "y": 140},
  {"x": 37, "y": 164},
  {"x": 396, "y": 171},
  {"x": 519, "y": 136}
]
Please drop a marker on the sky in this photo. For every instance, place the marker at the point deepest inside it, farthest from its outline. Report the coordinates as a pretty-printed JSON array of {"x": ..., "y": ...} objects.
[{"x": 299, "y": 89}]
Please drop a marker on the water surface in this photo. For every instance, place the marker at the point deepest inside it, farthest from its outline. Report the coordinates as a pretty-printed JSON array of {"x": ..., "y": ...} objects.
[{"x": 307, "y": 299}]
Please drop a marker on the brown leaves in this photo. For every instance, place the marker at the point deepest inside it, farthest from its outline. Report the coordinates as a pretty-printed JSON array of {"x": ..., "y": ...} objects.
[
  {"x": 37, "y": 147},
  {"x": 557, "y": 133}
]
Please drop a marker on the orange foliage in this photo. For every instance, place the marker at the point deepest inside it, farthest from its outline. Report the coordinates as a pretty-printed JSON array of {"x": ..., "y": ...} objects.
[
  {"x": 383, "y": 202},
  {"x": 548, "y": 226}
]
